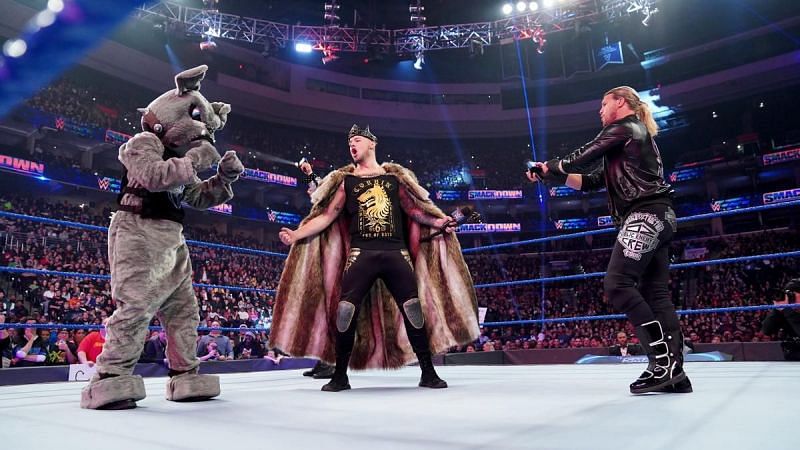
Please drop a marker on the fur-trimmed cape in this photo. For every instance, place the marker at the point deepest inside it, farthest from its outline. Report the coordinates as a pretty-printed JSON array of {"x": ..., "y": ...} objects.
[{"x": 309, "y": 290}]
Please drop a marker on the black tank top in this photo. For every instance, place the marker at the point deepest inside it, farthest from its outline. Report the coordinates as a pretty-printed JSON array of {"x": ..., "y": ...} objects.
[
  {"x": 158, "y": 205},
  {"x": 376, "y": 217}
]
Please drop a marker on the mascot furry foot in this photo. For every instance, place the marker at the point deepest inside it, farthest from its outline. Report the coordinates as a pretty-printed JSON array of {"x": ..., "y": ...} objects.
[
  {"x": 115, "y": 392},
  {"x": 192, "y": 387}
]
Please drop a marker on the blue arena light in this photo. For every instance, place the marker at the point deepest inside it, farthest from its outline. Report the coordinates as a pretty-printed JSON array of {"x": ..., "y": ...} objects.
[{"x": 303, "y": 47}]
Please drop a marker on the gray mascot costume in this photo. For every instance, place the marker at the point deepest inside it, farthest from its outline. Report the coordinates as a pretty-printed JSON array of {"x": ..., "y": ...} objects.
[{"x": 151, "y": 274}]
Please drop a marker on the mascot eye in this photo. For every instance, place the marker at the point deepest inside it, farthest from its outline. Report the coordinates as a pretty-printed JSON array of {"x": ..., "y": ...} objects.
[{"x": 195, "y": 112}]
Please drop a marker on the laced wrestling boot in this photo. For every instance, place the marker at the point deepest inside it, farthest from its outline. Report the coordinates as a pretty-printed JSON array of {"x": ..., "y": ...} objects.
[
  {"x": 429, "y": 378},
  {"x": 665, "y": 356}
]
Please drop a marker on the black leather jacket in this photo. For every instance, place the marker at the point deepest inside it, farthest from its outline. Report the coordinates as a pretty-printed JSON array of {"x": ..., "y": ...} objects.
[{"x": 632, "y": 170}]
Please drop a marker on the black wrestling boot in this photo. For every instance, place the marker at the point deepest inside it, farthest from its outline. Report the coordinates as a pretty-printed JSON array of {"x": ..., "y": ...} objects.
[
  {"x": 341, "y": 383},
  {"x": 313, "y": 371},
  {"x": 120, "y": 405},
  {"x": 665, "y": 353},
  {"x": 681, "y": 387},
  {"x": 429, "y": 378},
  {"x": 339, "y": 380},
  {"x": 320, "y": 367},
  {"x": 325, "y": 372}
]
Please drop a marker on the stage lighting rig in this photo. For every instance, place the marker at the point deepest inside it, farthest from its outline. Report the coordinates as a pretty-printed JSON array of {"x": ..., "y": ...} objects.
[
  {"x": 417, "y": 12},
  {"x": 331, "y": 14},
  {"x": 622, "y": 8},
  {"x": 328, "y": 55}
]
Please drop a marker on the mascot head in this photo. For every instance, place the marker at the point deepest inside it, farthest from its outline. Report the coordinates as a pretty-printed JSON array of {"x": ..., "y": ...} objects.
[{"x": 182, "y": 116}]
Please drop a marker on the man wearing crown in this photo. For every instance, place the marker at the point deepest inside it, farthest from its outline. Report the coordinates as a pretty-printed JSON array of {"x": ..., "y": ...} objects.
[{"x": 362, "y": 287}]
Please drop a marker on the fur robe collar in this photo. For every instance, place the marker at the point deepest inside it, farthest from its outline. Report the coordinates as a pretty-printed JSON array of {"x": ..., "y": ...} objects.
[{"x": 309, "y": 290}]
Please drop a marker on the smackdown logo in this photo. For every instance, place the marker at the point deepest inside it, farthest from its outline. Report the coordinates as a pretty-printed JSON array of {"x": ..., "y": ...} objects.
[
  {"x": 21, "y": 165},
  {"x": 468, "y": 228},
  {"x": 269, "y": 177},
  {"x": 493, "y": 195},
  {"x": 781, "y": 196},
  {"x": 779, "y": 157},
  {"x": 731, "y": 203},
  {"x": 571, "y": 224},
  {"x": 605, "y": 221}
]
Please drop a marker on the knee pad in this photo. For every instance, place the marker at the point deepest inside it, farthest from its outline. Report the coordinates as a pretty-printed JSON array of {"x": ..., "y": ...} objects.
[
  {"x": 344, "y": 315},
  {"x": 101, "y": 392},
  {"x": 413, "y": 310}
]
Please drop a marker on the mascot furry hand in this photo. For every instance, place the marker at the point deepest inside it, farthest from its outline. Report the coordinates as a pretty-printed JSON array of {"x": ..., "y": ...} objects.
[{"x": 151, "y": 274}]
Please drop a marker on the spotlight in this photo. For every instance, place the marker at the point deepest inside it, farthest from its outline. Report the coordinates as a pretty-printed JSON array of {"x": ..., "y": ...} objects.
[
  {"x": 416, "y": 9},
  {"x": 508, "y": 8},
  {"x": 303, "y": 47},
  {"x": 418, "y": 18},
  {"x": 208, "y": 45},
  {"x": 548, "y": 3},
  {"x": 14, "y": 48},
  {"x": 420, "y": 61},
  {"x": 533, "y": 6},
  {"x": 55, "y": 6},
  {"x": 521, "y": 6}
]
